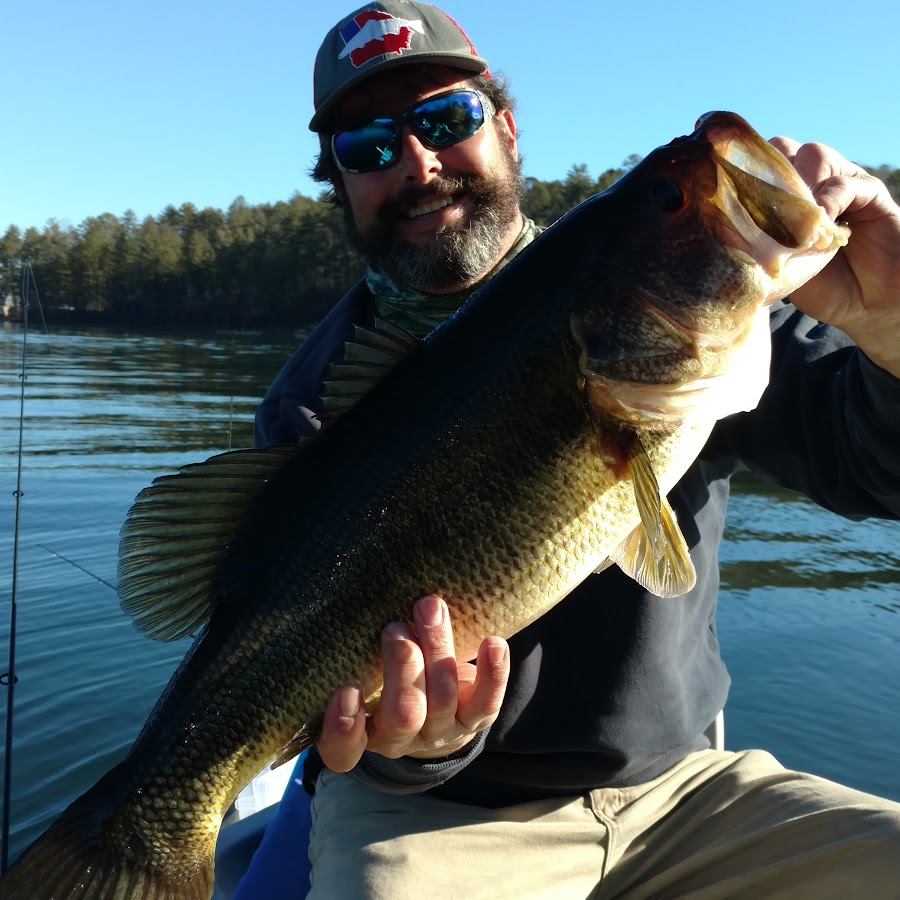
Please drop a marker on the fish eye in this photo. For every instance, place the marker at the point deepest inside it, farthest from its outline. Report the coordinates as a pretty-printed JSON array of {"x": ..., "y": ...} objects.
[{"x": 666, "y": 194}]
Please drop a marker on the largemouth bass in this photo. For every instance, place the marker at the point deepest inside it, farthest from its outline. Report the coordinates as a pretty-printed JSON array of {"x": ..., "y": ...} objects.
[{"x": 528, "y": 441}]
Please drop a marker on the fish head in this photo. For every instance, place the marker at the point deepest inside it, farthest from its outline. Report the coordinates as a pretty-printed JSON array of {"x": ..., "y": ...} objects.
[{"x": 707, "y": 231}]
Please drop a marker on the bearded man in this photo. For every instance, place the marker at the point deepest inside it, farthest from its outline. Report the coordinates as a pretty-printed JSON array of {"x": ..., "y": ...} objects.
[{"x": 574, "y": 760}]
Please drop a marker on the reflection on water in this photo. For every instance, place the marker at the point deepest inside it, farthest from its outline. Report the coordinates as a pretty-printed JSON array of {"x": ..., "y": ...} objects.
[
  {"x": 104, "y": 414},
  {"x": 775, "y": 537},
  {"x": 810, "y": 631},
  {"x": 808, "y": 620},
  {"x": 96, "y": 395}
]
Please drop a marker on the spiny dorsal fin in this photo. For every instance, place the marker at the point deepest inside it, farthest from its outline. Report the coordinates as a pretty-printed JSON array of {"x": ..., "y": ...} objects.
[
  {"x": 174, "y": 535},
  {"x": 371, "y": 354}
]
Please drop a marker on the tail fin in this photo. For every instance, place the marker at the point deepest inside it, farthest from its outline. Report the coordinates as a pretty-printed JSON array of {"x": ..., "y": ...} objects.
[{"x": 74, "y": 859}]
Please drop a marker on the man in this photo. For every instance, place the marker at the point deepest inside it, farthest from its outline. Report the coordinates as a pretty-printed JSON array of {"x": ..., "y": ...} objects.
[{"x": 572, "y": 762}]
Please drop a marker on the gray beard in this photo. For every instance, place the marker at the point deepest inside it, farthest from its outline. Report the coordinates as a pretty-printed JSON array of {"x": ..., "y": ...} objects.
[{"x": 456, "y": 256}]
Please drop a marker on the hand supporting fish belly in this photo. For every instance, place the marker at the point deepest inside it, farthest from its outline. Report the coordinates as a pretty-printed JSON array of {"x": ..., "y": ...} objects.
[{"x": 525, "y": 443}]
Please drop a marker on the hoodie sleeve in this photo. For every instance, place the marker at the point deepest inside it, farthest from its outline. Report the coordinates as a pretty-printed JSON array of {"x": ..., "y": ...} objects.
[
  {"x": 828, "y": 425},
  {"x": 408, "y": 775}
]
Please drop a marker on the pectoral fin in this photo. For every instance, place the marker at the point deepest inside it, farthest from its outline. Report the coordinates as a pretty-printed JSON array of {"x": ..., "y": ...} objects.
[
  {"x": 655, "y": 554},
  {"x": 646, "y": 494},
  {"x": 662, "y": 564}
]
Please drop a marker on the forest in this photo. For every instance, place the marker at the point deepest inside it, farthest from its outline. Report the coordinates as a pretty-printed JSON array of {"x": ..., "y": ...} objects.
[{"x": 279, "y": 265}]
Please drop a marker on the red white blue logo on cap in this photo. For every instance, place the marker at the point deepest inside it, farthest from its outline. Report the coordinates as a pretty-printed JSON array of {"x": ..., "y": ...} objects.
[{"x": 372, "y": 33}]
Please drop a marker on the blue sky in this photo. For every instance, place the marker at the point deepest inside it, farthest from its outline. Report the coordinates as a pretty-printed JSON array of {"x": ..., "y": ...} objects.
[{"x": 110, "y": 106}]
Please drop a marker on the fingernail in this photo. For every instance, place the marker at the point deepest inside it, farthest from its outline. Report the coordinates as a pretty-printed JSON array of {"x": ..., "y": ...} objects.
[
  {"x": 350, "y": 703},
  {"x": 431, "y": 610},
  {"x": 496, "y": 653},
  {"x": 397, "y": 631}
]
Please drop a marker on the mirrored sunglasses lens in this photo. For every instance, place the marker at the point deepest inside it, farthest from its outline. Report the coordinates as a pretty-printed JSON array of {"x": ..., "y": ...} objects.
[
  {"x": 368, "y": 148},
  {"x": 448, "y": 120}
]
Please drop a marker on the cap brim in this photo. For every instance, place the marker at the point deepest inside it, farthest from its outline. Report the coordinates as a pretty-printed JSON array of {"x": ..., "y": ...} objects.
[{"x": 463, "y": 61}]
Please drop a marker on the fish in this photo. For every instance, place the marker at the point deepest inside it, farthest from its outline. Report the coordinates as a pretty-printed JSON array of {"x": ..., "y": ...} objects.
[{"x": 527, "y": 442}]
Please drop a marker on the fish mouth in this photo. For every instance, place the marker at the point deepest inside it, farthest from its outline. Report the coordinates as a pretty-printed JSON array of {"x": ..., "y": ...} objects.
[{"x": 771, "y": 210}]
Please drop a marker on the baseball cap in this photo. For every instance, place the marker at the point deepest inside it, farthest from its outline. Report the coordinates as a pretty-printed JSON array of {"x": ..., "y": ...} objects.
[{"x": 382, "y": 35}]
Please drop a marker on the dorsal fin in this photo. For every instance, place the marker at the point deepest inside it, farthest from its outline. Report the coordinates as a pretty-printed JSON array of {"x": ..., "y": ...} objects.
[
  {"x": 174, "y": 535},
  {"x": 371, "y": 354}
]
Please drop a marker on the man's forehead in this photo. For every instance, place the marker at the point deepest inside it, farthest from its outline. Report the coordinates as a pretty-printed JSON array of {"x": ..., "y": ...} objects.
[{"x": 395, "y": 90}]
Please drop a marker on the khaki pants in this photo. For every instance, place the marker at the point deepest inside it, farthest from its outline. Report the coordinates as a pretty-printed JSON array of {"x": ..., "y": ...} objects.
[{"x": 717, "y": 825}]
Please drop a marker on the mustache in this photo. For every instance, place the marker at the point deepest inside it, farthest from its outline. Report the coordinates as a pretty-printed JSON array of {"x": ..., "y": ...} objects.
[{"x": 442, "y": 188}]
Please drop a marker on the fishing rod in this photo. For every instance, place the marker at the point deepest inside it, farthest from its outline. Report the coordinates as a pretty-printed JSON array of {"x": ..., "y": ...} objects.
[{"x": 9, "y": 677}]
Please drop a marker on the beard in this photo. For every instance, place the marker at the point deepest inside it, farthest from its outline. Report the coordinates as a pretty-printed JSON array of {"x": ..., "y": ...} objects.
[{"x": 454, "y": 256}]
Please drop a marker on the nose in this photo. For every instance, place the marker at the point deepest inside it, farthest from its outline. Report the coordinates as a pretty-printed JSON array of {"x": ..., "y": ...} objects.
[{"x": 418, "y": 161}]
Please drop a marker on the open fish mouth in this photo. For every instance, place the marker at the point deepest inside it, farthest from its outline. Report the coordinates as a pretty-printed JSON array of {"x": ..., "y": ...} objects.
[
  {"x": 735, "y": 229},
  {"x": 771, "y": 209},
  {"x": 752, "y": 227}
]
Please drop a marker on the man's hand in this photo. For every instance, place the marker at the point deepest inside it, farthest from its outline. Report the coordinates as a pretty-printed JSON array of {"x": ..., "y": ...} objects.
[
  {"x": 430, "y": 706},
  {"x": 859, "y": 290}
]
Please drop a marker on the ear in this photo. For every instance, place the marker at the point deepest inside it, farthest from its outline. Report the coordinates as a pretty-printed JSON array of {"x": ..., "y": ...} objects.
[
  {"x": 506, "y": 128},
  {"x": 339, "y": 191}
]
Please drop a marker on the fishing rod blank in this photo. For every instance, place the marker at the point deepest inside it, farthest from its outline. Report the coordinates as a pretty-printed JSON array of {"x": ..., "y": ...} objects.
[{"x": 10, "y": 676}]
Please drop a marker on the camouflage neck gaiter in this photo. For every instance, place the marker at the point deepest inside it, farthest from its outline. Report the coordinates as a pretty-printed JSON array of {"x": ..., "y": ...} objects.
[{"x": 418, "y": 312}]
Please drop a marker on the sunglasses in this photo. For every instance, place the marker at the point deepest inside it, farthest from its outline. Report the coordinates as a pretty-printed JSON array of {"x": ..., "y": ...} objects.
[{"x": 440, "y": 121}]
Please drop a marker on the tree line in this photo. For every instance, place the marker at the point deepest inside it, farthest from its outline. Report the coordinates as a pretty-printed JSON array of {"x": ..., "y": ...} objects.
[{"x": 271, "y": 265}]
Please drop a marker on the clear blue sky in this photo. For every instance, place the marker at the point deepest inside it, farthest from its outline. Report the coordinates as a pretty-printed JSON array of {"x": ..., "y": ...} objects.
[{"x": 110, "y": 105}]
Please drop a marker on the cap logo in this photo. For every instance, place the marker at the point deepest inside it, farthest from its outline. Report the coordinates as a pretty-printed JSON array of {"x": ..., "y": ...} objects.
[{"x": 372, "y": 33}]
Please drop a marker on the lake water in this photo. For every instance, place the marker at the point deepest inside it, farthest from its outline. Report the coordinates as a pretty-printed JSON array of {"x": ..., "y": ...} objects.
[{"x": 809, "y": 616}]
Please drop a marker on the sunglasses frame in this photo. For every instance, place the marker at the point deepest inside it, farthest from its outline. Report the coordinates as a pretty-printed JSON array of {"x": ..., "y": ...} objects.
[{"x": 406, "y": 118}]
